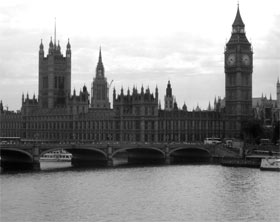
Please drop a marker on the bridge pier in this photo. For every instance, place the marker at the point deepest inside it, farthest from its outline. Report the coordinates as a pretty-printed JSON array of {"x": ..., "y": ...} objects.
[
  {"x": 109, "y": 156},
  {"x": 110, "y": 162},
  {"x": 167, "y": 155},
  {"x": 36, "y": 159},
  {"x": 167, "y": 160},
  {"x": 36, "y": 165}
]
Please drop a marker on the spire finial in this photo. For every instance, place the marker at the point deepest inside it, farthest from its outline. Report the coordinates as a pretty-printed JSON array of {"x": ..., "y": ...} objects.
[
  {"x": 238, "y": 20},
  {"x": 100, "y": 56},
  {"x": 68, "y": 44},
  {"x": 55, "y": 31}
]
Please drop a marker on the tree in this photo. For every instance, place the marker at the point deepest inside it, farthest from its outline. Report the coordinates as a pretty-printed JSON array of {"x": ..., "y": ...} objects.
[
  {"x": 251, "y": 130},
  {"x": 276, "y": 132}
]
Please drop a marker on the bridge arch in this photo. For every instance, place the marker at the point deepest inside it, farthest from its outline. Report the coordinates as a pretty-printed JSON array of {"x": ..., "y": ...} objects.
[
  {"x": 87, "y": 156},
  {"x": 189, "y": 148},
  {"x": 6, "y": 151},
  {"x": 140, "y": 155},
  {"x": 15, "y": 159},
  {"x": 190, "y": 155},
  {"x": 137, "y": 148}
]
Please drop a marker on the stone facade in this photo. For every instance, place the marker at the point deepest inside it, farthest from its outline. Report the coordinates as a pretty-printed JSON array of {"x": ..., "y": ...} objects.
[{"x": 10, "y": 123}]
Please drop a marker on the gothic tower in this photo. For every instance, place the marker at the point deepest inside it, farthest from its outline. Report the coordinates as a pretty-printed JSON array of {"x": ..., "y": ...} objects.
[
  {"x": 100, "y": 89},
  {"x": 168, "y": 99},
  {"x": 54, "y": 75},
  {"x": 238, "y": 78}
]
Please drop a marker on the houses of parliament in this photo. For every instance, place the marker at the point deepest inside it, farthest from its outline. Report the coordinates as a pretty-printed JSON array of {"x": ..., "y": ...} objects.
[{"x": 58, "y": 114}]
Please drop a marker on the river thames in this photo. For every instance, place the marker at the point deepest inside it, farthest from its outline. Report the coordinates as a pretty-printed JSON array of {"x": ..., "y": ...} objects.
[{"x": 147, "y": 193}]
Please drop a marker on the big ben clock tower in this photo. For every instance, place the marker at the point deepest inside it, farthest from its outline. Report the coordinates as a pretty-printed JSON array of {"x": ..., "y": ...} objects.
[{"x": 238, "y": 81}]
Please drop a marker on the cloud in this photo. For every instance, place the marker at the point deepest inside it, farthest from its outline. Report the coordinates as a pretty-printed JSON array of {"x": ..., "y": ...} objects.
[{"x": 141, "y": 44}]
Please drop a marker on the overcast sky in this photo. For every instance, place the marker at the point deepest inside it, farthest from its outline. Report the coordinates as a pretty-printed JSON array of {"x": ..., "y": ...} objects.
[{"x": 143, "y": 42}]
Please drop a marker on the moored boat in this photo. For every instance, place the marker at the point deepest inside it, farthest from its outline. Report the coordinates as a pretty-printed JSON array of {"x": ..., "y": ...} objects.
[
  {"x": 270, "y": 163},
  {"x": 56, "y": 156}
]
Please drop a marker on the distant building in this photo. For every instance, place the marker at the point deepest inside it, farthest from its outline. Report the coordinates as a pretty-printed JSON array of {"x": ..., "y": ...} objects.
[{"x": 267, "y": 110}]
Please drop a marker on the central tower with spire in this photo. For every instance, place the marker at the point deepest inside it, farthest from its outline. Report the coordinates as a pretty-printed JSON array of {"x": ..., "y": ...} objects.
[
  {"x": 238, "y": 78},
  {"x": 168, "y": 98},
  {"x": 99, "y": 88}
]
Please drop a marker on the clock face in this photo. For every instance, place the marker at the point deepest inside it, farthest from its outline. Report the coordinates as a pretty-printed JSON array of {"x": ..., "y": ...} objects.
[
  {"x": 245, "y": 59},
  {"x": 231, "y": 60}
]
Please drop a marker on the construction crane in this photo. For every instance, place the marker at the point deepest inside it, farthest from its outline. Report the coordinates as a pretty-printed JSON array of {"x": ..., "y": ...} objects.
[{"x": 110, "y": 84}]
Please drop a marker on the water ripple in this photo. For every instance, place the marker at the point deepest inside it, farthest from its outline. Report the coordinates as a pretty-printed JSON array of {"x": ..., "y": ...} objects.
[{"x": 166, "y": 193}]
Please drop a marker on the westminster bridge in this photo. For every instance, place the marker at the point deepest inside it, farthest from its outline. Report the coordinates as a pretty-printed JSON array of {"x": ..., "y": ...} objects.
[{"x": 28, "y": 155}]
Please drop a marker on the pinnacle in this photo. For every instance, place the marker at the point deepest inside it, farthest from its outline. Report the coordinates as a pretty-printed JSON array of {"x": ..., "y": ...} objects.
[{"x": 238, "y": 20}]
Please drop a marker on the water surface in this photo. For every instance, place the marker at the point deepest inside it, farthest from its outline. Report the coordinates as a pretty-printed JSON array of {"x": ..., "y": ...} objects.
[{"x": 152, "y": 193}]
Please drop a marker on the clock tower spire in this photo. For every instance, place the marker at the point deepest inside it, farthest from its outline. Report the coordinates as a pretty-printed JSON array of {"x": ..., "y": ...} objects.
[{"x": 238, "y": 76}]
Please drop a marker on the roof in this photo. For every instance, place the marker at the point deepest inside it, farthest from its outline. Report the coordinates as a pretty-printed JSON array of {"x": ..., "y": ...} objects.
[
  {"x": 238, "y": 20},
  {"x": 262, "y": 101}
]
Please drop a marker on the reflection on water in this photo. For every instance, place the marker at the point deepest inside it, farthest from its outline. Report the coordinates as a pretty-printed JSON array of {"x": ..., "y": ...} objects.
[{"x": 148, "y": 193}]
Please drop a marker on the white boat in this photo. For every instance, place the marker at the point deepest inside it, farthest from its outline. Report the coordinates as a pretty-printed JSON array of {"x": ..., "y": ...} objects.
[
  {"x": 56, "y": 156},
  {"x": 270, "y": 163}
]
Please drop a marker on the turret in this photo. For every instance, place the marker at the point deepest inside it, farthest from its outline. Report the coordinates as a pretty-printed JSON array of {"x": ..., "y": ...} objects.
[
  {"x": 175, "y": 106},
  {"x": 209, "y": 106},
  {"x": 114, "y": 93},
  {"x": 159, "y": 105},
  {"x": 156, "y": 93},
  {"x": 51, "y": 46},
  {"x": 58, "y": 47},
  {"x": 41, "y": 50},
  {"x": 184, "y": 107},
  {"x": 168, "y": 89},
  {"x": 1, "y": 107},
  {"x": 168, "y": 99},
  {"x": 278, "y": 93},
  {"x": 68, "y": 49}
]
